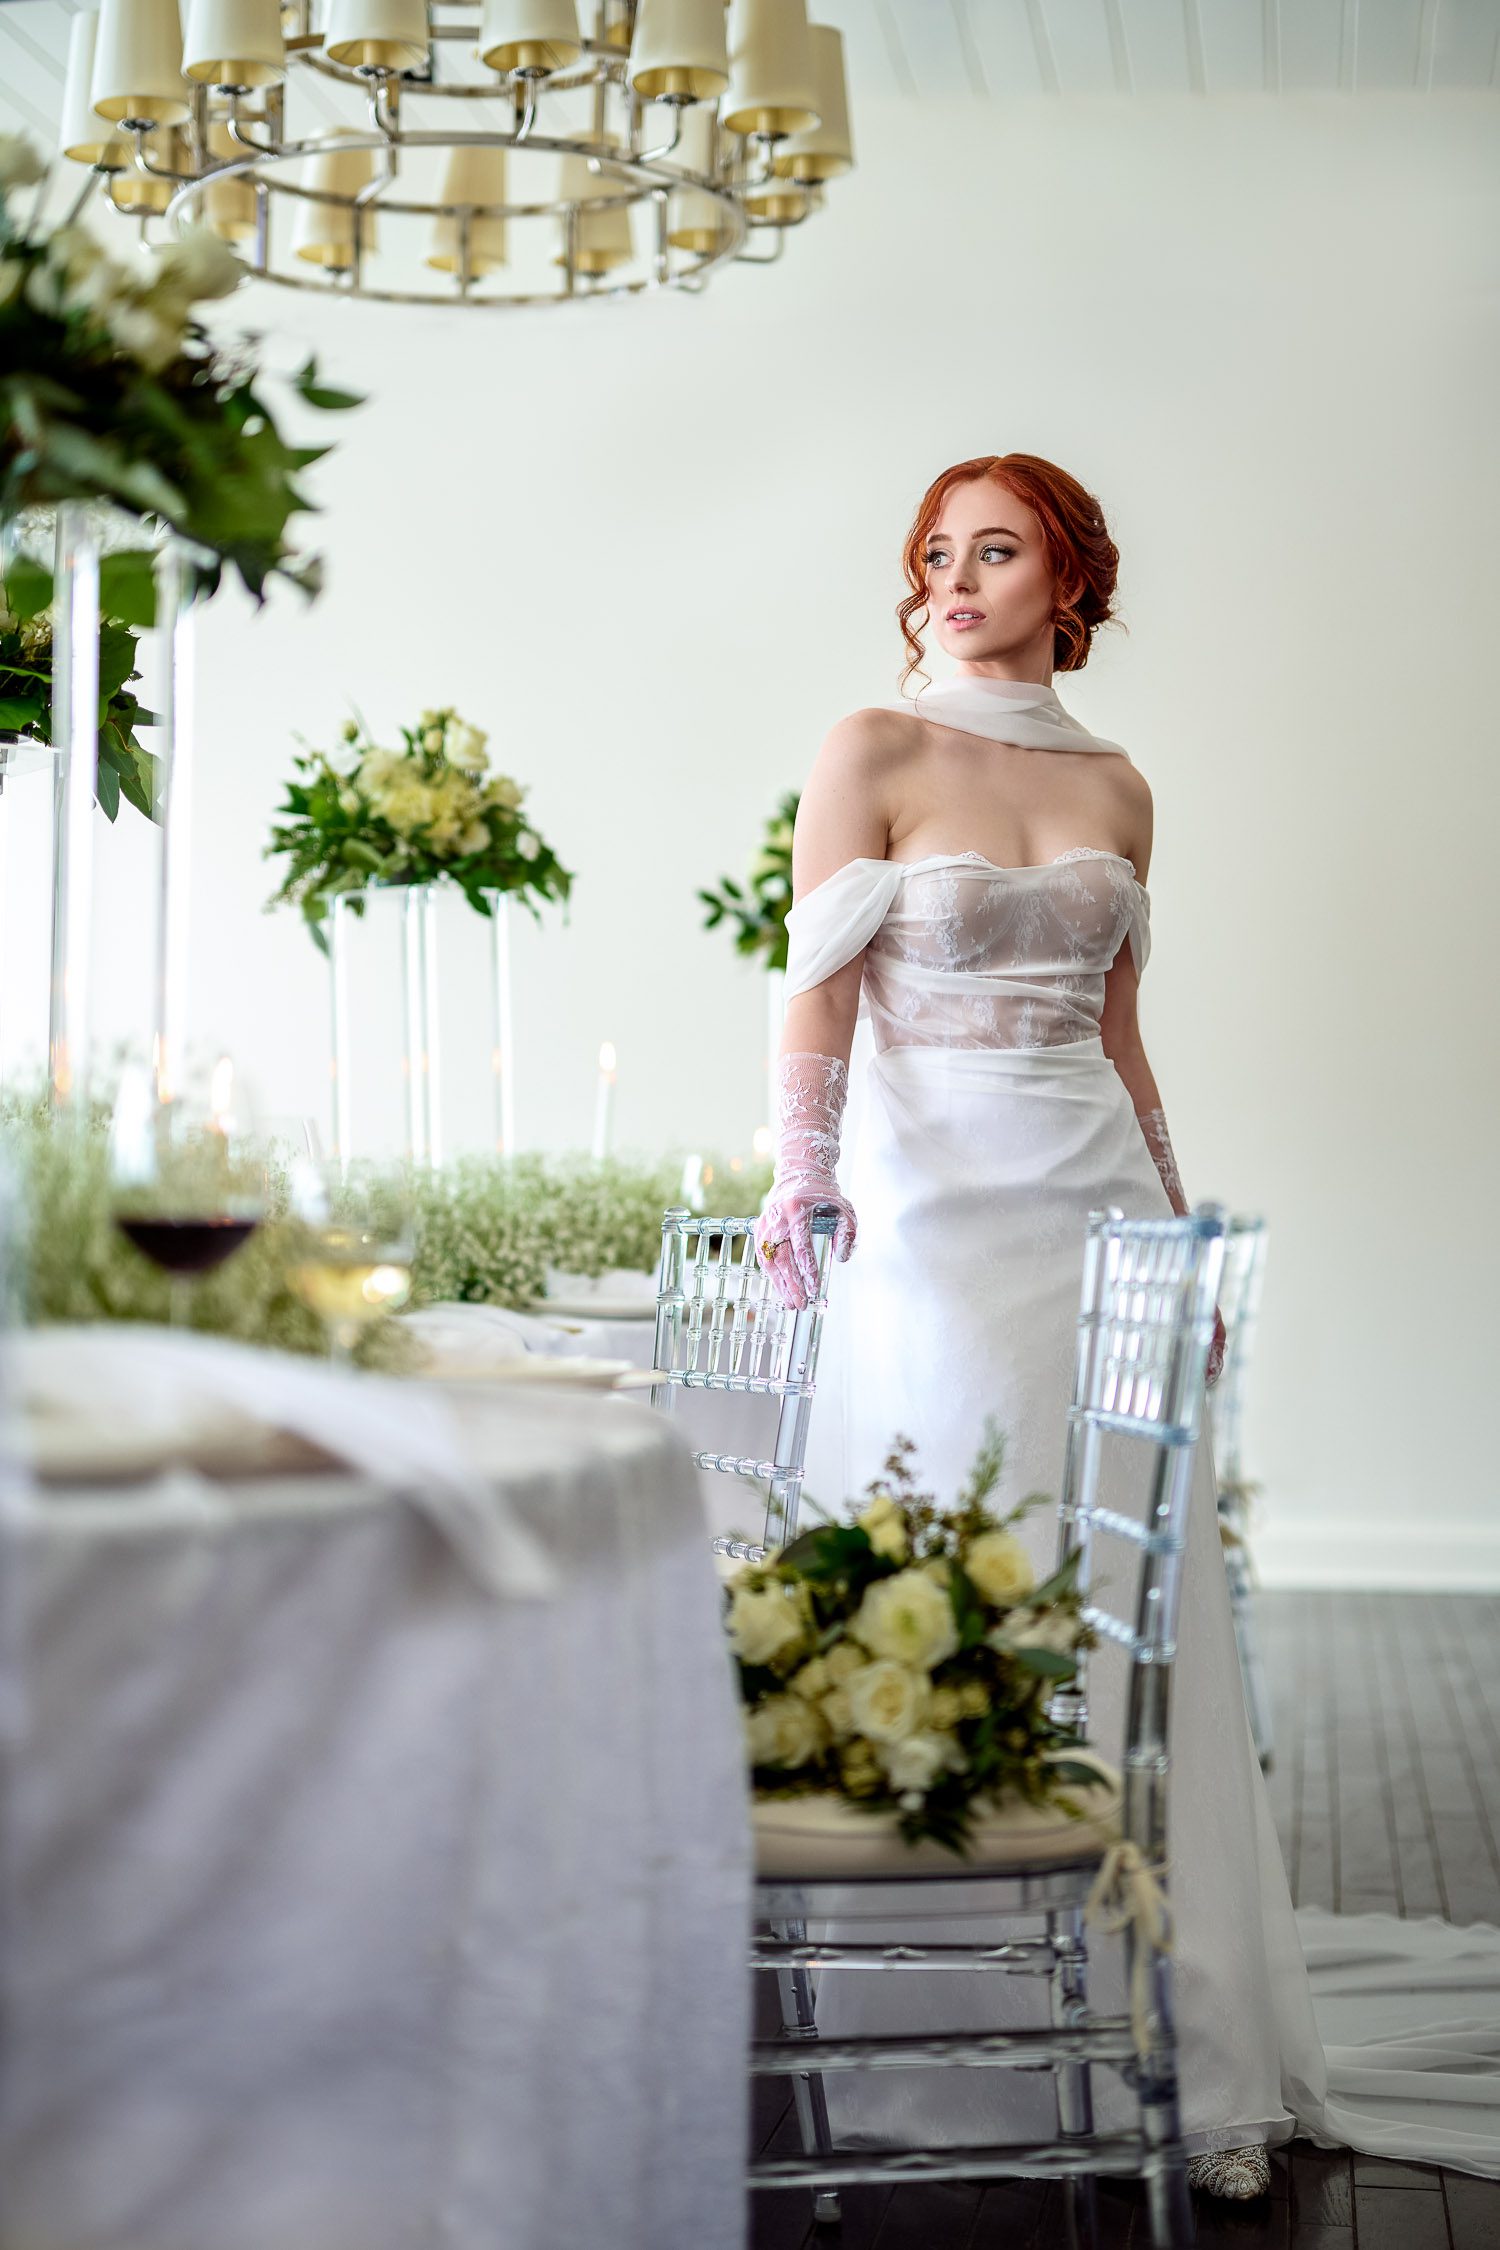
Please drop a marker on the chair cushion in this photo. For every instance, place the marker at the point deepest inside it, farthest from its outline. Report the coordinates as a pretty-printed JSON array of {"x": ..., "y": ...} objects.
[{"x": 826, "y": 1838}]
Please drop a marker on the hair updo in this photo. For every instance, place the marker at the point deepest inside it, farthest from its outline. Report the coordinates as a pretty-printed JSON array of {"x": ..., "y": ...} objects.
[{"x": 1085, "y": 560}]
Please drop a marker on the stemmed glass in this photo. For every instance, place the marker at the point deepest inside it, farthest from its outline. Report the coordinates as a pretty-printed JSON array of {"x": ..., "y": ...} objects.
[
  {"x": 357, "y": 1259},
  {"x": 186, "y": 1173}
]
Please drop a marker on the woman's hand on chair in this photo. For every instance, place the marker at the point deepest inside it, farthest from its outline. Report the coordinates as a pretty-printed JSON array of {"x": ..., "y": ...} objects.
[{"x": 784, "y": 1240}]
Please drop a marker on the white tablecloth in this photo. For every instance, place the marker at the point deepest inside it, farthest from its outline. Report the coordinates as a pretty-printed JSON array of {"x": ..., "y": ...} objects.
[
  {"x": 710, "y": 1421},
  {"x": 348, "y": 1907}
]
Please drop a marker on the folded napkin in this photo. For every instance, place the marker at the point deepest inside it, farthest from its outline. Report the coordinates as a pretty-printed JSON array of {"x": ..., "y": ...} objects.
[{"x": 187, "y": 1394}]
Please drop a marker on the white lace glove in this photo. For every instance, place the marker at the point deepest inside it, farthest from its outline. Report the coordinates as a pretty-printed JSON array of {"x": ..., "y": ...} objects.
[
  {"x": 811, "y": 1091},
  {"x": 1153, "y": 1123}
]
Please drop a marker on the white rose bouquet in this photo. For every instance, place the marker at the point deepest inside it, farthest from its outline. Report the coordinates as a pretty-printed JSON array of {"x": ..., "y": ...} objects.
[
  {"x": 905, "y": 1661},
  {"x": 429, "y": 810}
]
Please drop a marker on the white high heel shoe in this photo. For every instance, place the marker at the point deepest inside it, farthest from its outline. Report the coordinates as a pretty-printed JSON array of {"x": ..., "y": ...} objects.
[{"x": 1239, "y": 2174}]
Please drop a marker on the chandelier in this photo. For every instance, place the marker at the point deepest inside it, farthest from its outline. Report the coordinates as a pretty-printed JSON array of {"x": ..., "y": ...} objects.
[{"x": 506, "y": 152}]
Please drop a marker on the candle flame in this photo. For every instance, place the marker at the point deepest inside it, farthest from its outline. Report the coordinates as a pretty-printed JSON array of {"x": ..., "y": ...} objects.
[
  {"x": 221, "y": 1094},
  {"x": 607, "y": 1058}
]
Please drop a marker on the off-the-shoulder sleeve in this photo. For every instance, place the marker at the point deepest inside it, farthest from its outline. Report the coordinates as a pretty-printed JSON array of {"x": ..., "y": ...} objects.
[
  {"x": 828, "y": 926},
  {"x": 1140, "y": 929}
]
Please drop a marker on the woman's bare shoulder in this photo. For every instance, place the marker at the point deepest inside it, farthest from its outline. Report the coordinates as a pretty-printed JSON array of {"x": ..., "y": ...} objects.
[{"x": 874, "y": 739}]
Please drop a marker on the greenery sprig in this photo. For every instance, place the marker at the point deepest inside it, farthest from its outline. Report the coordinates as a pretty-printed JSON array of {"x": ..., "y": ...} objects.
[
  {"x": 757, "y": 909},
  {"x": 125, "y": 767}
]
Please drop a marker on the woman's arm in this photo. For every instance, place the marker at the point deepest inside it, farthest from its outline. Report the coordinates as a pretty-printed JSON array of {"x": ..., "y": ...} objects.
[
  {"x": 1120, "y": 1031},
  {"x": 1119, "y": 1028},
  {"x": 842, "y": 816}
]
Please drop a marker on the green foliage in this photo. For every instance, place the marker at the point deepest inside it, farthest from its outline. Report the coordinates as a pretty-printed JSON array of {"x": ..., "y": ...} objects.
[
  {"x": 125, "y": 767},
  {"x": 111, "y": 390},
  {"x": 757, "y": 909},
  {"x": 431, "y": 811}
]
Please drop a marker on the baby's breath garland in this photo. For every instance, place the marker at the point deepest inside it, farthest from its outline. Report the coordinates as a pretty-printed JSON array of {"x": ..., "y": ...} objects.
[
  {"x": 486, "y": 1232},
  {"x": 904, "y": 1661},
  {"x": 428, "y": 812}
]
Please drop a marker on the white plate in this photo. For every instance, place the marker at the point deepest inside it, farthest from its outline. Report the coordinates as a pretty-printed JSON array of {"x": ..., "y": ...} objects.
[
  {"x": 596, "y": 1308},
  {"x": 532, "y": 1367}
]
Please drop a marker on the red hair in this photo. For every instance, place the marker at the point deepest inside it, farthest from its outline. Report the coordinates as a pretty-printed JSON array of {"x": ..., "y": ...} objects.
[{"x": 1085, "y": 560}]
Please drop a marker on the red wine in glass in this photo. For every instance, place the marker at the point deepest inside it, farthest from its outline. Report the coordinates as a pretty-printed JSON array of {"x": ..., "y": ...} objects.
[{"x": 186, "y": 1248}]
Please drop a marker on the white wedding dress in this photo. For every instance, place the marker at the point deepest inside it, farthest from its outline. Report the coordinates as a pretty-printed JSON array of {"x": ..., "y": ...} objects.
[{"x": 985, "y": 1122}]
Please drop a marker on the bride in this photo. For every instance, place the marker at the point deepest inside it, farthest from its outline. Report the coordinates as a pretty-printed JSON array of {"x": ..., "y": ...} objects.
[{"x": 970, "y": 900}]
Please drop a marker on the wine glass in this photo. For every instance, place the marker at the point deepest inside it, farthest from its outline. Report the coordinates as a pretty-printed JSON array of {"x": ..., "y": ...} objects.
[
  {"x": 187, "y": 1177},
  {"x": 355, "y": 1264}
]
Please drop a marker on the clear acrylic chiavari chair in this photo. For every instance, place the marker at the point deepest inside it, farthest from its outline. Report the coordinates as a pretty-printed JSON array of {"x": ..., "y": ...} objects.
[
  {"x": 1239, "y": 1302},
  {"x": 1144, "y": 1330},
  {"x": 721, "y": 1327}
]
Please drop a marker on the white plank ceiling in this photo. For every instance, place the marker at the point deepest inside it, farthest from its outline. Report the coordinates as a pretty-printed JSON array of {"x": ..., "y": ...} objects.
[{"x": 996, "y": 49}]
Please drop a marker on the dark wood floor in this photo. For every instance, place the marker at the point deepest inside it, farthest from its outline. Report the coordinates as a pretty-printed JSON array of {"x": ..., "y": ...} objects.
[{"x": 1386, "y": 1788}]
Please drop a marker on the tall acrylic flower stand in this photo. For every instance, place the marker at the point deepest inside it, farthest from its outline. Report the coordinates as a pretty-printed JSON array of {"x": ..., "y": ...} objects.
[
  {"x": 454, "y": 1071},
  {"x": 83, "y": 536}
]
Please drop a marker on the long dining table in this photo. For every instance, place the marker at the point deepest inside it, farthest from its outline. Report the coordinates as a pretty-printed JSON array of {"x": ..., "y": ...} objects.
[{"x": 347, "y": 1902}]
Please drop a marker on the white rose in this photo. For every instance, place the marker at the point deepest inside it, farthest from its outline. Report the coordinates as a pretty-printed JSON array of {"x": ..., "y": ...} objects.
[
  {"x": 137, "y": 328},
  {"x": 783, "y": 1731},
  {"x": 1055, "y": 1629},
  {"x": 504, "y": 792},
  {"x": 433, "y": 739},
  {"x": 843, "y": 1661},
  {"x": 20, "y": 165},
  {"x": 885, "y": 1527},
  {"x": 886, "y": 1699},
  {"x": 196, "y": 266},
  {"x": 466, "y": 747},
  {"x": 837, "y": 1707},
  {"x": 527, "y": 845},
  {"x": 474, "y": 837},
  {"x": 908, "y": 1617},
  {"x": 1001, "y": 1568},
  {"x": 764, "y": 1622},
  {"x": 913, "y": 1765},
  {"x": 349, "y": 801}
]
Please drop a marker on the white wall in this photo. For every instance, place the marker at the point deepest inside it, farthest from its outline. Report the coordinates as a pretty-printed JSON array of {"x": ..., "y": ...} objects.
[{"x": 655, "y": 550}]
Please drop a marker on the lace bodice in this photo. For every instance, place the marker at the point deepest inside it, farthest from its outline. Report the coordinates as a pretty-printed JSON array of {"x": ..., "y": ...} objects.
[{"x": 964, "y": 953}]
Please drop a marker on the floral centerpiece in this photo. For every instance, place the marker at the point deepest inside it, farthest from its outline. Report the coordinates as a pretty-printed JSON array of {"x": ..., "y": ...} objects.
[
  {"x": 429, "y": 810},
  {"x": 757, "y": 909},
  {"x": 111, "y": 389},
  {"x": 904, "y": 1662}
]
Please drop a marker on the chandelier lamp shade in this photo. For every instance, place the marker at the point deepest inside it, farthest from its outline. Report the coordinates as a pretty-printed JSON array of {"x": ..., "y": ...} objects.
[
  {"x": 138, "y": 78},
  {"x": 85, "y": 137},
  {"x": 530, "y": 38},
  {"x": 234, "y": 43},
  {"x": 680, "y": 51},
  {"x": 510, "y": 152}
]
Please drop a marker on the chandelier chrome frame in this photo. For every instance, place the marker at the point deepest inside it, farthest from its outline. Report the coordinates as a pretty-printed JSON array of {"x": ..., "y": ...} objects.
[{"x": 255, "y": 120}]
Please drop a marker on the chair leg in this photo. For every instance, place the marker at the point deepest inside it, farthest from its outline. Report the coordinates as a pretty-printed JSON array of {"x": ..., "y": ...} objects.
[
  {"x": 798, "y": 2021},
  {"x": 1073, "y": 2081},
  {"x": 1168, "y": 2202}
]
